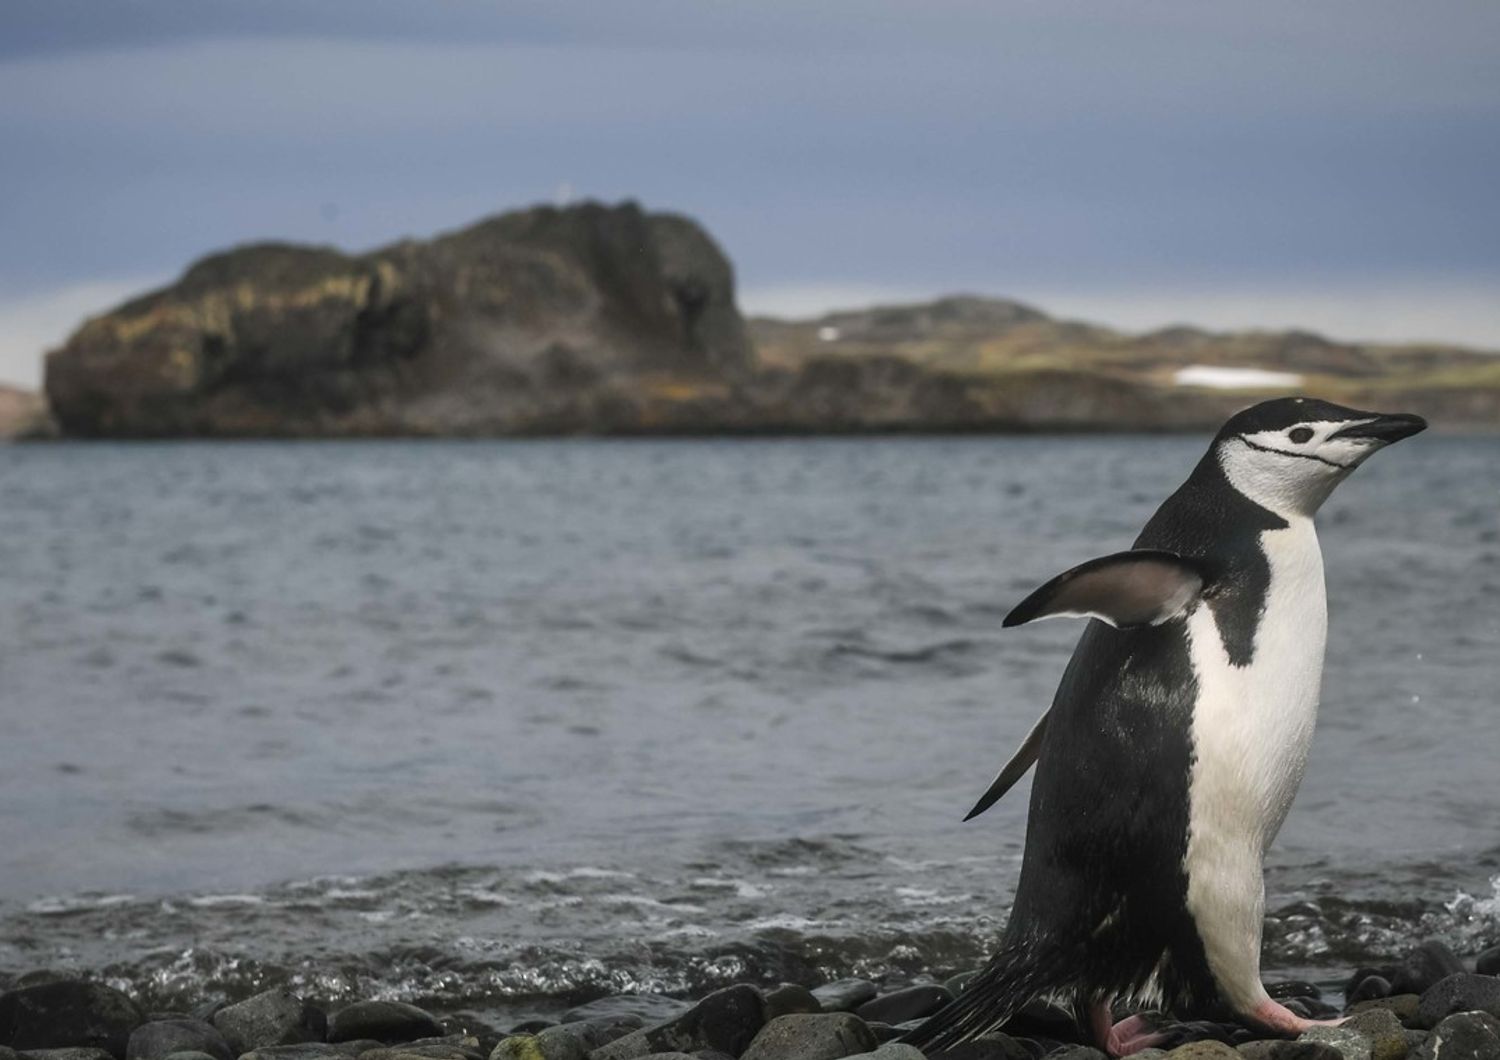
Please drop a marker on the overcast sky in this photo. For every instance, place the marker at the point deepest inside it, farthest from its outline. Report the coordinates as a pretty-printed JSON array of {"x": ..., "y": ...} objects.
[{"x": 1333, "y": 164}]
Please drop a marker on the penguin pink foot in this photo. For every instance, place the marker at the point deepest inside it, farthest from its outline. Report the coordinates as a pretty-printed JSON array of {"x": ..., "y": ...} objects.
[
  {"x": 1277, "y": 1017},
  {"x": 1130, "y": 1035}
]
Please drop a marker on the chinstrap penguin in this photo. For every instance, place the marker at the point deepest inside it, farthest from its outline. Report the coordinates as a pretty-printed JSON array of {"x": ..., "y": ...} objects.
[{"x": 1176, "y": 741}]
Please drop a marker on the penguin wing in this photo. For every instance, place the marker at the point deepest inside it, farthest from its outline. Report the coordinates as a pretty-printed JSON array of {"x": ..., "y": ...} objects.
[
  {"x": 1142, "y": 587},
  {"x": 1014, "y": 770}
]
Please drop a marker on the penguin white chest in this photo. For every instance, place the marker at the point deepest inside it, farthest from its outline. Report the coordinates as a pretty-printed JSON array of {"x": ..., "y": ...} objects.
[{"x": 1252, "y": 726}]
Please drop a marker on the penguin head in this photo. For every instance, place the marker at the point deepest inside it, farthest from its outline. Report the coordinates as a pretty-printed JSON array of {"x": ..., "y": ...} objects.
[{"x": 1287, "y": 455}]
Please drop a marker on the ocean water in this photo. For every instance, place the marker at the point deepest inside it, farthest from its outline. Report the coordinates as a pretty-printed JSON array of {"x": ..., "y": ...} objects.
[{"x": 501, "y": 726}]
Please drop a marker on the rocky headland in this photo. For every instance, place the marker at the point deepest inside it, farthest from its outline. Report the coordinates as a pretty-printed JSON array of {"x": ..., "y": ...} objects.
[
  {"x": 596, "y": 319},
  {"x": 1429, "y": 1005}
]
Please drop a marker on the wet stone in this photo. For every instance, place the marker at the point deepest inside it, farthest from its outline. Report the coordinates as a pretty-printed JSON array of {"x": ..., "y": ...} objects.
[
  {"x": 1351, "y": 1045},
  {"x": 845, "y": 995},
  {"x": 80, "y": 1053},
  {"x": 1463, "y": 1036},
  {"x": 1077, "y": 1052},
  {"x": 1464, "y": 992},
  {"x": 1204, "y": 1050},
  {"x": 274, "y": 1017},
  {"x": 63, "y": 1012},
  {"x": 711, "y": 1054},
  {"x": 1488, "y": 962},
  {"x": 189, "y": 1054},
  {"x": 811, "y": 1036},
  {"x": 986, "y": 1047},
  {"x": 913, "y": 1003},
  {"x": 1383, "y": 1030},
  {"x": 455, "y": 1047},
  {"x": 789, "y": 998},
  {"x": 158, "y": 1040},
  {"x": 892, "y": 1051},
  {"x": 531, "y": 1027},
  {"x": 1368, "y": 988},
  {"x": 884, "y": 1032},
  {"x": 314, "y": 1051},
  {"x": 383, "y": 1021},
  {"x": 725, "y": 1020},
  {"x": 1270, "y": 1049},
  {"x": 1424, "y": 967},
  {"x": 956, "y": 983},
  {"x": 1402, "y": 1006}
]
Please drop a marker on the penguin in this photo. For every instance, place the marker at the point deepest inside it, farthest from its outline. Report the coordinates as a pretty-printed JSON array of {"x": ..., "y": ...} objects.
[{"x": 1175, "y": 742}]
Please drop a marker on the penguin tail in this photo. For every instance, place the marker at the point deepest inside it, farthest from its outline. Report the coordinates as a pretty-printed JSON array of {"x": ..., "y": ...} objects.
[{"x": 1015, "y": 976}]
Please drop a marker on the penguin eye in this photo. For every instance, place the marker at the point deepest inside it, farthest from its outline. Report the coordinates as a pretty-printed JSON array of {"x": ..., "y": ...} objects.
[{"x": 1300, "y": 434}]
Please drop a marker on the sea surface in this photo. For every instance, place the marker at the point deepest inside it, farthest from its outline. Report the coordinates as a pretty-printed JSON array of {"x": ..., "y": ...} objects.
[{"x": 501, "y": 726}]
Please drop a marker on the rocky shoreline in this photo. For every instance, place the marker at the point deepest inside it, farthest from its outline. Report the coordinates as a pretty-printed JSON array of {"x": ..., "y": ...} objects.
[
  {"x": 611, "y": 320},
  {"x": 1430, "y": 1005}
]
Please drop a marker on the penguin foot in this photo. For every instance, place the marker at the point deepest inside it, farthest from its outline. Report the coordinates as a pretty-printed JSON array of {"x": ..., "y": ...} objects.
[
  {"x": 1130, "y": 1035},
  {"x": 1279, "y": 1018}
]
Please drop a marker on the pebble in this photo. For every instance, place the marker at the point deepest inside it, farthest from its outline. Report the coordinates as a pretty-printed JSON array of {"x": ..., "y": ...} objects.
[
  {"x": 383, "y": 1021},
  {"x": 1204, "y": 1050},
  {"x": 915, "y": 1002},
  {"x": 789, "y": 998},
  {"x": 1463, "y": 1036},
  {"x": 1351, "y": 1045},
  {"x": 1464, "y": 992},
  {"x": 566, "y": 1041},
  {"x": 845, "y": 995},
  {"x": 189, "y": 1054},
  {"x": 725, "y": 1020},
  {"x": 453, "y": 1047},
  {"x": 1280, "y": 1050},
  {"x": 994, "y": 1046},
  {"x": 1386, "y": 1035},
  {"x": 1077, "y": 1052},
  {"x": 68, "y": 1012},
  {"x": 811, "y": 1036},
  {"x": 160, "y": 1038},
  {"x": 892, "y": 1051},
  {"x": 77, "y": 1053},
  {"x": 1402, "y": 1006},
  {"x": 314, "y": 1051},
  {"x": 1371, "y": 986},
  {"x": 1488, "y": 962},
  {"x": 274, "y": 1017},
  {"x": 1424, "y": 967}
]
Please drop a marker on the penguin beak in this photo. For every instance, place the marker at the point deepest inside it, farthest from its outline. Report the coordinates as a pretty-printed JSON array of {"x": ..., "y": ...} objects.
[{"x": 1385, "y": 429}]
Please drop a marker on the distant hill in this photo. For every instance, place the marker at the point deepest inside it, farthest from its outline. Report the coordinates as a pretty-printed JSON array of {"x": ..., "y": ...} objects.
[
  {"x": 22, "y": 412},
  {"x": 611, "y": 320}
]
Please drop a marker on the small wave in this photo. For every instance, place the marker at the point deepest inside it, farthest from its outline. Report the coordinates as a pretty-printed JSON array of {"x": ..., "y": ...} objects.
[
  {"x": 63, "y": 905},
  {"x": 220, "y": 901}
]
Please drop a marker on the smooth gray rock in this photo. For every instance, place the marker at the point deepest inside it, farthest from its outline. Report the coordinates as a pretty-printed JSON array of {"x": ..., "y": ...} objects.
[
  {"x": 811, "y": 1036},
  {"x": 274, "y": 1017},
  {"x": 647, "y": 1008},
  {"x": 63, "y": 1013},
  {"x": 1204, "y": 1050},
  {"x": 77, "y": 1053},
  {"x": 789, "y": 998},
  {"x": 725, "y": 1020},
  {"x": 1463, "y": 1036},
  {"x": 1424, "y": 967},
  {"x": 1488, "y": 962},
  {"x": 993, "y": 1046},
  {"x": 1402, "y": 1006},
  {"x": 314, "y": 1051},
  {"x": 913, "y": 1003},
  {"x": 1077, "y": 1052},
  {"x": 845, "y": 995},
  {"x": 891, "y": 1051},
  {"x": 1351, "y": 1044},
  {"x": 161, "y": 1038},
  {"x": 1271, "y": 1049},
  {"x": 190, "y": 1054},
  {"x": 452, "y": 1047},
  {"x": 1386, "y": 1035},
  {"x": 383, "y": 1021},
  {"x": 1464, "y": 992}
]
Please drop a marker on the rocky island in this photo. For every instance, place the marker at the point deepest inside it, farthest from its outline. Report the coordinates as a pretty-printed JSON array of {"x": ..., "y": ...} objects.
[{"x": 596, "y": 319}]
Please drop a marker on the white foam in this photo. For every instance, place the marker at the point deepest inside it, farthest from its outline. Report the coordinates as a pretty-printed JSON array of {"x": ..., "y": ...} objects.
[
  {"x": 219, "y": 901},
  {"x": 1222, "y": 377},
  {"x": 59, "y": 905}
]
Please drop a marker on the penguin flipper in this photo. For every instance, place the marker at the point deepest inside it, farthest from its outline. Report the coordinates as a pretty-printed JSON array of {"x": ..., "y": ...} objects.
[
  {"x": 1141, "y": 587},
  {"x": 1014, "y": 770}
]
